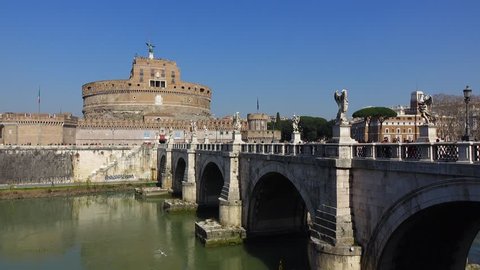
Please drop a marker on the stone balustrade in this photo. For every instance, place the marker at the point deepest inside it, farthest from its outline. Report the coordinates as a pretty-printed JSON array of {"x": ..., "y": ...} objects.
[{"x": 425, "y": 152}]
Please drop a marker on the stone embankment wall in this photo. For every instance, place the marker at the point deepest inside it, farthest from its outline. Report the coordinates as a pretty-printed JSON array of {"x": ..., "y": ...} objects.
[{"x": 70, "y": 164}]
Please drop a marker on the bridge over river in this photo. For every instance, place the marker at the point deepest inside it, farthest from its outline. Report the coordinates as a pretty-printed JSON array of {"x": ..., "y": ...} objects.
[{"x": 364, "y": 206}]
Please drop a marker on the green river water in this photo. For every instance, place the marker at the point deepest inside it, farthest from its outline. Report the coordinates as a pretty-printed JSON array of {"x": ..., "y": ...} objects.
[{"x": 118, "y": 232}]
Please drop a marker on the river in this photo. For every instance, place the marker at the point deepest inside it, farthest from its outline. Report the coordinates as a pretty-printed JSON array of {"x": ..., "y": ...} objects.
[{"x": 117, "y": 231}]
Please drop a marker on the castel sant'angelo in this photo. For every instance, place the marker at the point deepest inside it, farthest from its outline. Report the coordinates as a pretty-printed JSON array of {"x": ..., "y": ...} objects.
[
  {"x": 153, "y": 101},
  {"x": 153, "y": 91}
]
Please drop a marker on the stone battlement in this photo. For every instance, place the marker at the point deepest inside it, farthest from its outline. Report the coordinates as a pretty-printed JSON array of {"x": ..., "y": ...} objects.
[{"x": 65, "y": 119}]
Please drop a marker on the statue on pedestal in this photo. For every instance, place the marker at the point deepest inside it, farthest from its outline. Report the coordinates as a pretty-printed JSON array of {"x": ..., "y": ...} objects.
[
  {"x": 342, "y": 103},
  {"x": 236, "y": 122},
  {"x": 150, "y": 49},
  {"x": 295, "y": 121},
  {"x": 193, "y": 128},
  {"x": 425, "y": 107}
]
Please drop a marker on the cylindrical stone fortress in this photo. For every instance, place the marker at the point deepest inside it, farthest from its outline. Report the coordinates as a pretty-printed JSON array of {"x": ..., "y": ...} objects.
[{"x": 153, "y": 91}]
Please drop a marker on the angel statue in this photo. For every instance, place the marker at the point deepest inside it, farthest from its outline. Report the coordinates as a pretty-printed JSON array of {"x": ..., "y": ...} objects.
[
  {"x": 295, "y": 121},
  {"x": 193, "y": 125},
  {"x": 150, "y": 47},
  {"x": 236, "y": 122},
  {"x": 342, "y": 103},
  {"x": 425, "y": 107}
]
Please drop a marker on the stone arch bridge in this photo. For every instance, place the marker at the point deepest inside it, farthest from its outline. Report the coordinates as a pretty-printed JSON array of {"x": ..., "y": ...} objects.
[{"x": 364, "y": 206}]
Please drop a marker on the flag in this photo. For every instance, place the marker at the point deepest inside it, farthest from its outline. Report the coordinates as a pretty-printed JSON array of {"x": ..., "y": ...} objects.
[{"x": 258, "y": 106}]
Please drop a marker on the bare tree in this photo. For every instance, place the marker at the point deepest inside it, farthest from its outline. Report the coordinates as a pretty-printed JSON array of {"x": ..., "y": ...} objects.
[{"x": 450, "y": 116}]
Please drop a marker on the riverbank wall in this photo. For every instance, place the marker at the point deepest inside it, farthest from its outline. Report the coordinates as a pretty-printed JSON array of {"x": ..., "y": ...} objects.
[{"x": 30, "y": 165}]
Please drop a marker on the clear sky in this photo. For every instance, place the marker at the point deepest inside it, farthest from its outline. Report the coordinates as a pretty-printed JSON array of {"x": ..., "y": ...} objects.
[{"x": 292, "y": 55}]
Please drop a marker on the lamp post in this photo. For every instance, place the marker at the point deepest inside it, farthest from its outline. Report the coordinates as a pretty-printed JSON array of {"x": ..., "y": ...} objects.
[{"x": 466, "y": 94}]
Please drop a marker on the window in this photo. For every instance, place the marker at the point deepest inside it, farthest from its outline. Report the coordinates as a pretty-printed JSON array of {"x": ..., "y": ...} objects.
[
  {"x": 155, "y": 83},
  {"x": 398, "y": 131},
  {"x": 386, "y": 130},
  {"x": 409, "y": 130}
]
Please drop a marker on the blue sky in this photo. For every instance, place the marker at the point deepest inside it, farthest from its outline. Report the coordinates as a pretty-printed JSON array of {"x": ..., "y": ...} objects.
[{"x": 292, "y": 55}]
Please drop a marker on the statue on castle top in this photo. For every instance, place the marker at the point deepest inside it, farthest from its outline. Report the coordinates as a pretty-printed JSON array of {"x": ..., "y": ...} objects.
[
  {"x": 205, "y": 129},
  {"x": 425, "y": 107},
  {"x": 150, "y": 50},
  {"x": 236, "y": 122},
  {"x": 342, "y": 103},
  {"x": 295, "y": 121},
  {"x": 150, "y": 47}
]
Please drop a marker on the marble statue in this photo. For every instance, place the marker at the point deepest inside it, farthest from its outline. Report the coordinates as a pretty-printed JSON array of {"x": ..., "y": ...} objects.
[
  {"x": 342, "y": 103},
  {"x": 425, "y": 107},
  {"x": 295, "y": 121},
  {"x": 193, "y": 125},
  {"x": 236, "y": 122}
]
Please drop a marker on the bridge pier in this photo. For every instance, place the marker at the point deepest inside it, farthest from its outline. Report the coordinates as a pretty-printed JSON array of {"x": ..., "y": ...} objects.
[
  {"x": 166, "y": 168},
  {"x": 189, "y": 185},
  {"x": 332, "y": 244},
  {"x": 323, "y": 255},
  {"x": 228, "y": 230}
]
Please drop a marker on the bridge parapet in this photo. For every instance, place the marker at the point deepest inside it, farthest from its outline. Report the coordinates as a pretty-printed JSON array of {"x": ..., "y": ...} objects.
[
  {"x": 426, "y": 152},
  {"x": 431, "y": 152}
]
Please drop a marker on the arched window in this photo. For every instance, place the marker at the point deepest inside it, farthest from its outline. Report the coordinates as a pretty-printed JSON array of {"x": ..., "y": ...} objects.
[{"x": 386, "y": 130}]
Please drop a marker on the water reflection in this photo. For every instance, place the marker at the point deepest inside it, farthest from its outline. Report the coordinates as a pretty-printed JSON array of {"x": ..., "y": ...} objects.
[{"x": 118, "y": 232}]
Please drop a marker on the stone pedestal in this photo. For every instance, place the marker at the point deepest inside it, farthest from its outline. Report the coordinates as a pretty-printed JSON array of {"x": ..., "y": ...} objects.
[
  {"x": 194, "y": 139},
  {"x": 177, "y": 205},
  {"x": 212, "y": 234},
  {"x": 237, "y": 137},
  {"x": 296, "y": 137},
  {"x": 428, "y": 133},
  {"x": 341, "y": 134}
]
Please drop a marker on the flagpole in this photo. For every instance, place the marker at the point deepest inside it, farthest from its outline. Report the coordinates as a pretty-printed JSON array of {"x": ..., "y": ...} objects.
[{"x": 38, "y": 100}]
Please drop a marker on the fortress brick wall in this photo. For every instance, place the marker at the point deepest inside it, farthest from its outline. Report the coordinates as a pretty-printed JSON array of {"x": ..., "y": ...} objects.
[
  {"x": 154, "y": 88},
  {"x": 67, "y": 164},
  {"x": 37, "y": 129}
]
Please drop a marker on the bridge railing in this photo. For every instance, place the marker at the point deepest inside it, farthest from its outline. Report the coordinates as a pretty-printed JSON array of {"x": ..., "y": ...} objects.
[
  {"x": 438, "y": 152},
  {"x": 433, "y": 152}
]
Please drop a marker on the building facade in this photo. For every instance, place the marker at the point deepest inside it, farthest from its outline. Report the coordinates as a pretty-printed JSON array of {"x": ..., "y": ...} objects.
[
  {"x": 402, "y": 128},
  {"x": 257, "y": 130}
]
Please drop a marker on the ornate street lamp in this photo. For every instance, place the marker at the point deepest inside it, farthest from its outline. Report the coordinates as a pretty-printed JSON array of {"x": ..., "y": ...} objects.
[{"x": 466, "y": 94}]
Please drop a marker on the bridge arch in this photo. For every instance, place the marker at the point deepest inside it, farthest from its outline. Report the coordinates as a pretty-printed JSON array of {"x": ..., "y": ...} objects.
[
  {"x": 179, "y": 176},
  {"x": 210, "y": 185},
  {"x": 276, "y": 205},
  {"x": 430, "y": 228}
]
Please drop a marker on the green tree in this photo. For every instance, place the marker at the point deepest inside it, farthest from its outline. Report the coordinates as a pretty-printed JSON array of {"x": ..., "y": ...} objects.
[
  {"x": 370, "y": 114},
  {"x": 314, "y": 128},
  {"x": 277, "y": 120}
]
